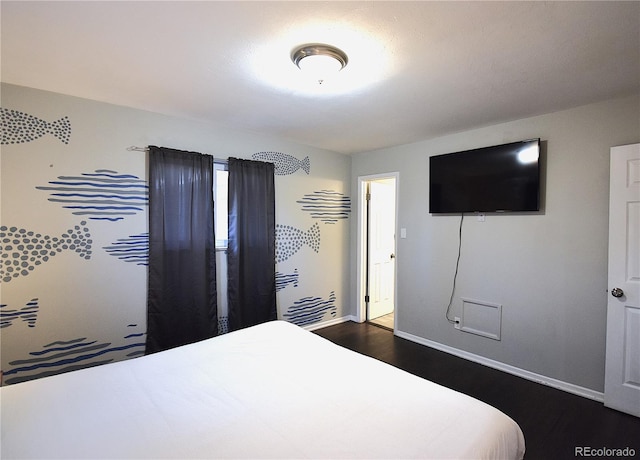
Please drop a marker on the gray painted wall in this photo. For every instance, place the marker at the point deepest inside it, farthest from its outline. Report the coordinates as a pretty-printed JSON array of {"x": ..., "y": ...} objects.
[{"x": 547, "y": 270}]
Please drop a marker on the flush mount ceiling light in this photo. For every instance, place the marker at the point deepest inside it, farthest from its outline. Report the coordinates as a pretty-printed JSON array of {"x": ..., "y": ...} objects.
[{"x": 319, "y": 61}]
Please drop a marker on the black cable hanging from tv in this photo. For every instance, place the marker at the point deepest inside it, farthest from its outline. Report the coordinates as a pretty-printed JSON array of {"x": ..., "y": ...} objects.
[{"x": 455, "y": 275}]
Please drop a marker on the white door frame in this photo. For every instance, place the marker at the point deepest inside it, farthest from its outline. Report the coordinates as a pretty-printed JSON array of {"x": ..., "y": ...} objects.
[{"x": 361, "y": 243}]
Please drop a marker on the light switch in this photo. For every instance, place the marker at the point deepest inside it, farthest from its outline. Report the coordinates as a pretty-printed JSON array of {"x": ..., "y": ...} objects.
[{"x": 403, "y": 233}]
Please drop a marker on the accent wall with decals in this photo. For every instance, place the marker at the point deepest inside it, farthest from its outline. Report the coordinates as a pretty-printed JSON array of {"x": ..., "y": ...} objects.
[{"x": 74, "y": 227}]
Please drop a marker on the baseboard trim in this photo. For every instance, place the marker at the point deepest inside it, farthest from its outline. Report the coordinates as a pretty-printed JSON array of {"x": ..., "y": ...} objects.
[
  {"x": 331, "y": 322},
  {"x": 538, "y": 378}
]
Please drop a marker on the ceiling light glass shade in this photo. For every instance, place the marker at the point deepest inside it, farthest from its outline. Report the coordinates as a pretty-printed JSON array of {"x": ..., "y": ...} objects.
[{"x": 319, "y": 61}]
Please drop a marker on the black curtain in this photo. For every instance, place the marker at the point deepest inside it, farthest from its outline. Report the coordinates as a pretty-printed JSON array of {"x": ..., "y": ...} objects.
[
  {"x": 182, "y": 298},
  {"x": 251, "y": 255}
]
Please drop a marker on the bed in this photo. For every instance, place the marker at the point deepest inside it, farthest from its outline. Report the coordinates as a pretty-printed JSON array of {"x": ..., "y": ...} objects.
[{"x": 269, "y": 391}]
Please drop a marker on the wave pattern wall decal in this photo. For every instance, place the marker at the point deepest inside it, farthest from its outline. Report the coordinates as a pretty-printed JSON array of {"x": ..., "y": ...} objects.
[
  {"x": 27, "y": 314},
  {"x": 134, "y": 249},
  {"x": 136, "y": 337},
  {"x": 68, "y": 355},
  {"x": 309, "y": 310},
  {"x": 101, "y": 195},
  {"x": 327, "y": 205},
  {"x": 283, "y": 280}
]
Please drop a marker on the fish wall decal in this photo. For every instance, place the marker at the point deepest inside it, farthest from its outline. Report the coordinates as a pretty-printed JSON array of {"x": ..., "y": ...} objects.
[
  {"x": 19, "y": 127},
  {"x": 134, "y": 249},
  {"x": 28, "y": 314},
  {"x": 284, "y": 164},
  {"x": 68, "y": 355},
  {"x": 309, "y": 310},
  {"x": 283, "y": 280},
  {"x": 21, "y": 250},
  {"x": 223, "y": 325},
  {"x": 101, "y": 195},
  {"x": 139, "y": 348},
  {"x": 289, "y": 240},
  {"x": 327, "y": 205}
]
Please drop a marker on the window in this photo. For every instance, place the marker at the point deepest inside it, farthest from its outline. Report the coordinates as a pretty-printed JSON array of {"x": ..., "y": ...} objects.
[{"x": 221, "y": 218}]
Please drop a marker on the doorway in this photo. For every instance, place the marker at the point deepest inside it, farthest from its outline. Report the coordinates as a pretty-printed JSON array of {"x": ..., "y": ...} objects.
[
  {"x": 622, "y": 364},
  {"x": 377, "y": 249}
]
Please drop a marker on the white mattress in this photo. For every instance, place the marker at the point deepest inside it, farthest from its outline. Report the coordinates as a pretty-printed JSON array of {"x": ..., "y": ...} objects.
[{"x": 270, "y": 391}]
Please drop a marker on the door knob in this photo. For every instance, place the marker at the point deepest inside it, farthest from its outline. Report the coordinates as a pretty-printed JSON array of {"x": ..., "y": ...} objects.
[
  {"x": 392, "y": 256},
  {"x": 617, "y": 292}
]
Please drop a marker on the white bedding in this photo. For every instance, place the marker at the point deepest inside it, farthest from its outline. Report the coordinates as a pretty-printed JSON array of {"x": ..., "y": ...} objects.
[{"x": 270, "y": 391}]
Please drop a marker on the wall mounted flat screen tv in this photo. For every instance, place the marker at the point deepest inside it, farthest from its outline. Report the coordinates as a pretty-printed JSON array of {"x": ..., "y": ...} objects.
[{"x": 501, "y": 178}]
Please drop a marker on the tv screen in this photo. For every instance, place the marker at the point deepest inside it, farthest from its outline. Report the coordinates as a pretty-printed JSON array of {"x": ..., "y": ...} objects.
[{"x": 500, "y": 178}]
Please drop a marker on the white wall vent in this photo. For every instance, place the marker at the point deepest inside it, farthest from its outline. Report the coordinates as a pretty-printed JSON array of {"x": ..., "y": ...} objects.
[{"x": 481, "y": 318}]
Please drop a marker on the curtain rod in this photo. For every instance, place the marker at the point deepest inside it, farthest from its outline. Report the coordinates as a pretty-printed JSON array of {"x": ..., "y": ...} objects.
[{"x": 133, "y": 148}]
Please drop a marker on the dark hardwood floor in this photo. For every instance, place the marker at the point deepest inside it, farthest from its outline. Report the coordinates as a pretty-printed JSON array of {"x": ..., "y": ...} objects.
[{"x": 553, "y": 421}]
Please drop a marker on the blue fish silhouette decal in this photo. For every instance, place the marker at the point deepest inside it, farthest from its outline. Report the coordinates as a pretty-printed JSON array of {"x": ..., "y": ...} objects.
[
  {"x": 134, "y": 249},
  {"x": 138, "y": 337},
  {"x": 68, "y": 355},
  {"x": 289, "y": 240},
  {"x": 309, "y": 310},
  {"x": 327, "y": 205},
  {"x": 101, "y": 195},
  {"x": 19, "y": 127},
  {"x": 21, "y": 251},
  {"x": 284, "y": 164},
  {"x": 223, "y": 325},
  {"x": 28, "y": 314},
  {"x": 283, "y": 280}
]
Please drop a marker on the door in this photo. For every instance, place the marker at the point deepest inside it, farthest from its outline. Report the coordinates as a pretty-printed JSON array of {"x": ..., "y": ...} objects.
[
  {"x": 381, "y": 247},
  {"x": 622, "y": 372}
]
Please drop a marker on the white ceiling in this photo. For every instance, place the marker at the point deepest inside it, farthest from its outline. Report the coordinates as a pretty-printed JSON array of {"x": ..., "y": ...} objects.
[{"x": 417, "y": 70}]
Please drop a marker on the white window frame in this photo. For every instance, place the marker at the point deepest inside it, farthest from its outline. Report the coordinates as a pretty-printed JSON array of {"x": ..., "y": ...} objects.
[{"x": 220, "y": 204}]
